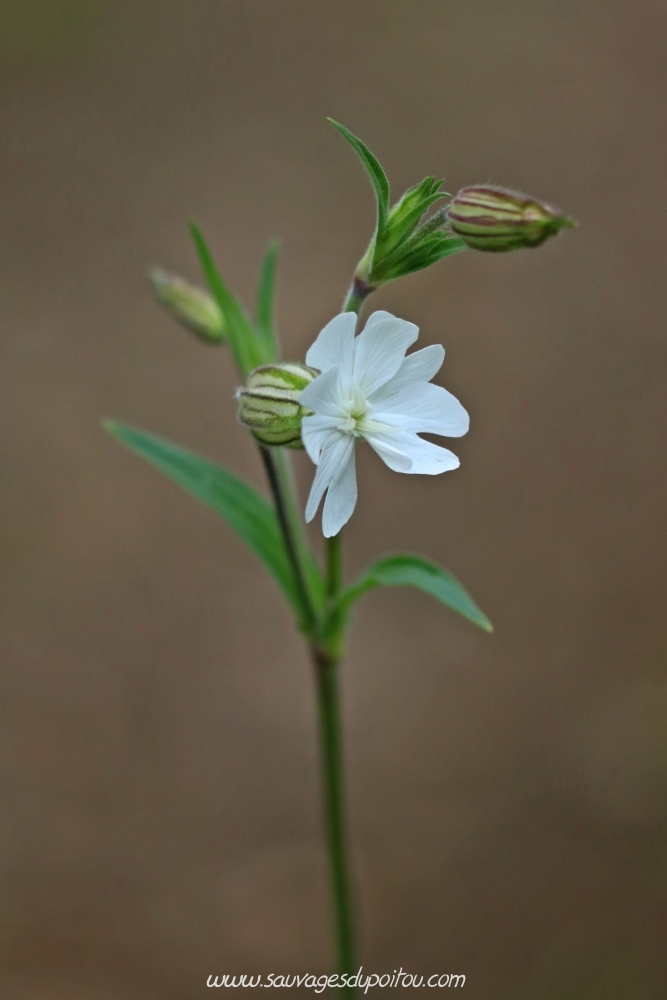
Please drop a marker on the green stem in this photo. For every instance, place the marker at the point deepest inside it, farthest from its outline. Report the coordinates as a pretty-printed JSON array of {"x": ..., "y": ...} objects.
[
  {"x": 357, "y": 295},
  {"x": 326, "y": 659},
  {"x": 326, "y": 672},
  {"x": 309, "y": 614},
  {"x": 295, "y": 520},
  {"x": 334, "y": 565},
  {"x": 326, "y": 662}
]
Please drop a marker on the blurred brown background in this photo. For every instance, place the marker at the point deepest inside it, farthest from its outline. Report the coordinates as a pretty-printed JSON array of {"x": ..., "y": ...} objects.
[{"x": 508, "y": 794}]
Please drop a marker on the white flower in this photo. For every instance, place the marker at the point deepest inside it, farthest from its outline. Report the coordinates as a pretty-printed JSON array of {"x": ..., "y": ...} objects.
[{"x": 369, "y": 389}]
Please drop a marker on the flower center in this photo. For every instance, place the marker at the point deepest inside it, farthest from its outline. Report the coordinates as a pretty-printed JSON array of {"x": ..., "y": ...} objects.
[{"x": 357, "y": 408}]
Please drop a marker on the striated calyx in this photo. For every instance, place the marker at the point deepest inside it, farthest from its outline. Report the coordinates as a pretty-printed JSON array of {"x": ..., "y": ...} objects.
[
  {"x": 495, "y": 219},
  {"x": 269, "y": 403}
]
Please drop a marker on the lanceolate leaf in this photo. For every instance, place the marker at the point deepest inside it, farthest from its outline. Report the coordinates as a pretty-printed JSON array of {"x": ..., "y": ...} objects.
[
  {"x": 375, "y": 172},
  {"x": 245, "y": 511},
  {"x": 247, "y": 347},
  {"x": 265, "y": 296},
  {"x": 413, "y": 571}
]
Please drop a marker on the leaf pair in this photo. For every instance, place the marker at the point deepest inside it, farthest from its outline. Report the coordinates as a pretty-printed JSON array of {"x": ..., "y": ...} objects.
[
  {"x": 254, "y": 521},
  {"x": 402, "y": 243}
]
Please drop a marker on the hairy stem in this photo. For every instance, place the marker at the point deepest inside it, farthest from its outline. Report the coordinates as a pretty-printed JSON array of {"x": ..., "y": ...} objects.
[{"x": 357, "y": 295}]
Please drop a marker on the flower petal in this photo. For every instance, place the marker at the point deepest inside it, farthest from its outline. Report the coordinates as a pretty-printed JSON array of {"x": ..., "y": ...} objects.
[
  {"x": 333, "y": 458},
  {"x": 426, "y": 459},
  {"x": 386, "y": 447},
  {"x": 341, "y": 496},
  {"x": 423, "y": 408},
  {"x": 420, "y": 366},
  {"x": 315, "y": 431},
  {"x": 323, "y": 395},
  {"x": 380, "y": 349},
  {"x": 334, "y": 346}
]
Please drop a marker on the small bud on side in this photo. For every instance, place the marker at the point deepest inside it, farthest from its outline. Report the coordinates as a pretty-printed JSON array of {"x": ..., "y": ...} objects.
[
  {"x": 191, "y": 306},
  {"x": 494, "y": 219},
  {"x": 269, "y": 403}
]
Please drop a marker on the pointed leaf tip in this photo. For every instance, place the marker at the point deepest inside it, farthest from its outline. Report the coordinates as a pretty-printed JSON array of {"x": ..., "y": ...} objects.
[
  {"x": 375, "y": 172},
  {"x": 265, "y": 309},
  {"x": 414, "y": 571},
  {"x": 247, "y": 345}
]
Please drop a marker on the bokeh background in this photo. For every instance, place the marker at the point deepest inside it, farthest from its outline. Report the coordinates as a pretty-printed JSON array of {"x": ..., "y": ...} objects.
[{"x": 508, "y": 794}]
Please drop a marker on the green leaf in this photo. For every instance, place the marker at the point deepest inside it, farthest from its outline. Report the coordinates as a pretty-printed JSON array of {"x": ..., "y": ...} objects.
[
  {"x": 413, "y": 571},
  {"x": 245, "y": 511},
  {"x": 376, "y": 174},
  {"x": 248, "y": 348},
  {"x": 265, "y": 296}
]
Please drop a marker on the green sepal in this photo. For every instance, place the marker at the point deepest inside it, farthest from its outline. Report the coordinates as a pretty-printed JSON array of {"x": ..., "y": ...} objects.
[
  {"x": 406, "y": 214},
  {"x": 420, "y": 252},
  {"x": 245, "y": 511},
  {"x": 248, "y": 345},
  {"x": 266, "y": 288},
  {"x": 376, "y": 174},
  {"x": 405, "y": 571},
  {"x": 402, "y": 243}
]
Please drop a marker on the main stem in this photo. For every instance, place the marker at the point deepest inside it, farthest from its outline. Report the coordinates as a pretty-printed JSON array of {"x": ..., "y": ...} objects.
[
  {"x": 326, "y": 673},
  {"x": 326, "y": 659},
  {"x": 326, "y": 663}
]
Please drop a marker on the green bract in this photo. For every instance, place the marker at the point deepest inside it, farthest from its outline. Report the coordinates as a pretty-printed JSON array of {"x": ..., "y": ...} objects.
[
  {"x": 402, "y": 242},
  {"x": 494, "y": 219},
  {"x": 269, "y": 403}
]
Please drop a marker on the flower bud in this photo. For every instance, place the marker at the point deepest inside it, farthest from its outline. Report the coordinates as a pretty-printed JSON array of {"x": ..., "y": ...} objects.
[
  {"x": 492, "y": 218},
  {"x": 270, "y": 402},
  {"x": 191, "y": 306}
]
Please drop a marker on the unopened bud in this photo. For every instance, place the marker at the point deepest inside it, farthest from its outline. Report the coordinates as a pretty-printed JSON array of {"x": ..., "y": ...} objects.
[
  {"x": 270, "y": 403},
  {"x": 191, "y": 306},
  {"x": 492, "y": 218}
]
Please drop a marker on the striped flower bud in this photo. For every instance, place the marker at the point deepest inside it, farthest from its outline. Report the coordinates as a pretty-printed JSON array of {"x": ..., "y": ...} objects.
[
  {"x": 191, "y": 306},
  {"x": 269, "y": 402},
  {"x": 492, "y": 218}
]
